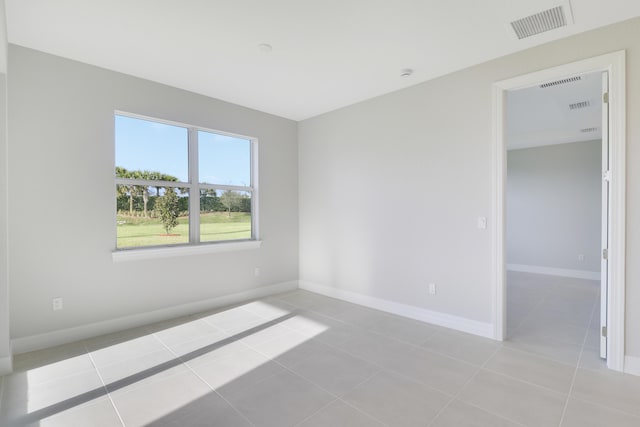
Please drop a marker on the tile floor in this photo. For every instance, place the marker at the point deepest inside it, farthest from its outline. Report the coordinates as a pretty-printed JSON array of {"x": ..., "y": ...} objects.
[{"x": 300, "y": 359}]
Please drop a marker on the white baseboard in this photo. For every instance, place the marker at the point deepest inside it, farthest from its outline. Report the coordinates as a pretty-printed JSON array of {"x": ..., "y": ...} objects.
[
  {"x": 64, "y": 336},
  {"x": 632, "y": 365},
  {"x": 6, "y": 365},
  {"x": 412, "y": 312},
  {"x": 550, "y": 271}
]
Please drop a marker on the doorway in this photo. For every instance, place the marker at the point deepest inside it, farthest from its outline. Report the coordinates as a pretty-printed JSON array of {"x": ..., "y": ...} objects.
[
  {"x": 614, "y": 128},
  {"x": 554, "y": 223}
]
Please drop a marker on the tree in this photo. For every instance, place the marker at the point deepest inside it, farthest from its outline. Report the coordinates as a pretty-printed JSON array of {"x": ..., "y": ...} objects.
[
  {"x": 231, "y": 200},
  {"x": 128, "y": 190},
  {"x": 167, "y": 209},
  {"x": 136, "y": 190}
]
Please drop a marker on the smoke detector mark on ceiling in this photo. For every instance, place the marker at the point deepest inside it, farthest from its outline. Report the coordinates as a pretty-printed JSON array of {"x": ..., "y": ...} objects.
[
  {"x": 542, "y": 22},
  {"x": 588, "y": 130},
  {"x": 561, "y": 82},
  {"x": 578, "y": 105}
]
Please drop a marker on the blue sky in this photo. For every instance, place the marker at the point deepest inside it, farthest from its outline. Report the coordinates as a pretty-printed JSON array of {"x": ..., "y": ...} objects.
[{"x": 147, "y": 145}]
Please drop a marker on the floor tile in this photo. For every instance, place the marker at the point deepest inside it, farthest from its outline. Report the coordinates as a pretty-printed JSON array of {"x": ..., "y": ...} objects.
[
  {"x": 265, "y": 335},
  {"x": 361, "y": 316},
  {"x": 585, "y": 414},
  {"x": 279, "y": 401},
  {"x": 560, "y": 332},
  {"x": 185, "y": 332},
  {"x": 289, "y": 349},
  {"x": 235, "y": 320},
  {"x": 469, "y": 348},
  {"x": 406, "y": 330},
  {"x": 339, "y": 414},
  {"x": 268, "y": 310},
  {"x": 334, "y": 370},
  {"x": 39, "y": 358},
  {"x": 546, "y": 347},
  {"x": 460, "y": 414},
  {"x": 440, "y": 372},
  {"x": 99, "y": 413},
  {"x": 590, "y": 359},
  {"x": 215, "y": 342},
  {"x": 514, "y": 400},
  {"x": 52, "y": 370},
  {"x": 238, "y": 371},
  {"x": 123, "y": 371},
  {"x": 608, "y": 388},
  {"x": 153, "y": 399},
  {"x": 208, "y": 410},
  {"x": 109, "y": 340},
  {"x": 530, "y": 368},
  {"x": 126, "y": 350},
  {"x": 397, "y": 401},
  {"x": 45, "y": 399}
]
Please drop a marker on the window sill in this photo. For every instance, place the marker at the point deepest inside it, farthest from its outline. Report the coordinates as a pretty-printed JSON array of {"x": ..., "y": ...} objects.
[{"x": 186, "y": 250}]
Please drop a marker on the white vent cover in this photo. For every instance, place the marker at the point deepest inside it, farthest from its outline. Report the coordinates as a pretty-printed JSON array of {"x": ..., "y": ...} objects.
[
  {"x": 588, "y": 130},
  {"x": 540, "y": 22},
  {"x": 578, "y": 105},
  {"x": 561, "y": 82}
]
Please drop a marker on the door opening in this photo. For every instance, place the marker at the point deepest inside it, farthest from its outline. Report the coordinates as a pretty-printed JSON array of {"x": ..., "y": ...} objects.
[
  {"x": 556, "y": 216},
  {"x": 614, "y": 65}
]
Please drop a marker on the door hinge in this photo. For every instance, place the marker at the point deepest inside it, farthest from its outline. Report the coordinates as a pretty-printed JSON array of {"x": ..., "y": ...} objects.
[
  {"x": 606, "y": 176},
  {"x": 605, "y": 253},
  {"x": 604, "y": 331},
  {"x": 605, "y": 97}
]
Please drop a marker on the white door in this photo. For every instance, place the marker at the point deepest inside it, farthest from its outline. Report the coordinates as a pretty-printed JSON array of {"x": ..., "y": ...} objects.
[{"x": 604, "y": 272}]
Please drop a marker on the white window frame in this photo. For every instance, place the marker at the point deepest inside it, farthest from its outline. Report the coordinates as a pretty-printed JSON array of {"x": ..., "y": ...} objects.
[{"x": 194, "y": 246}]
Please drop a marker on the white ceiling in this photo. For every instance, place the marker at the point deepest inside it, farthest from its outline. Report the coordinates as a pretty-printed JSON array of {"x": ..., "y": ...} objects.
[
  {"x": 542, "y": 116},
  {"x": 326, "y": 54}
]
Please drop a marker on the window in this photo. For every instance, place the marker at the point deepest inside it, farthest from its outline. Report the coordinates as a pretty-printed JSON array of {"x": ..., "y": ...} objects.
[{"x": 178, "y": 184}]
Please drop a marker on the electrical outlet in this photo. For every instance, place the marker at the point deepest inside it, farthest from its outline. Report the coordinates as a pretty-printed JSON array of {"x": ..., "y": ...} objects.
[
  {"x": 432, "y": 288},
  {"x": 256, "y": 271},
  {"x": 482, "y": 222},
  {"x": 56, "y": 304},
  {"x": 580, "y": 257}
]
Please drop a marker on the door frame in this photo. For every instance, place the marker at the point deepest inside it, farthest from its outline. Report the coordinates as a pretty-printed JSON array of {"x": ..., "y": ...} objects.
[{"x": 614, "y": 63}]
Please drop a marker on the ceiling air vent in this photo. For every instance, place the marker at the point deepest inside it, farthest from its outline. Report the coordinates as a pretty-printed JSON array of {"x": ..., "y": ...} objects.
[
  {"x": 561, "y": 82},
  {"x": 540, "y": 22},
  {"x": 578, "y": 105},
  {"x": 589, "y": 130}
]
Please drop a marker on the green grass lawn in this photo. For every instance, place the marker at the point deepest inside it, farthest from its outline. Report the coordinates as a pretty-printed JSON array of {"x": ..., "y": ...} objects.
[{"x": 215, "y": 226}]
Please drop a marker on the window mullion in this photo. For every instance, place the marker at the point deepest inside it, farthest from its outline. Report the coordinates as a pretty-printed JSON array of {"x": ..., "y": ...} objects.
[{"x": 194, "y": 190}]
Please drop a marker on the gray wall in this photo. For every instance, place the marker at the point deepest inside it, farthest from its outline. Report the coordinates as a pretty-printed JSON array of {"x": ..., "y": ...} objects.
[
  {"x": 554, "y": 206},
  {"x": 390, "y": 188},
  {"x": 61, "y": 148}
]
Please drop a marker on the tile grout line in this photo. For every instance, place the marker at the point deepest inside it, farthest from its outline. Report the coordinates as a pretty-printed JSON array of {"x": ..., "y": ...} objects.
[
  {"x": 113, "y": 404},
  {"x": 335, "y": 396},
  {"x": 575, "y": 372},
  {"x": 203, "y": 380},
  {"x": 340, "y": 399},
  {"x": 455, "y": 395},
  {"x": 415, "y": 346}
]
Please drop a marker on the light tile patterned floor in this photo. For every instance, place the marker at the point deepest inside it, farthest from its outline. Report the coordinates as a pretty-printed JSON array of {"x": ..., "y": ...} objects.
[{"x": 300, "y": 359}]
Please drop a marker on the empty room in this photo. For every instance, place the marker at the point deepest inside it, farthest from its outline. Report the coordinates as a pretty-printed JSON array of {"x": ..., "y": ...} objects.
[{"x": 297, "y": 213}]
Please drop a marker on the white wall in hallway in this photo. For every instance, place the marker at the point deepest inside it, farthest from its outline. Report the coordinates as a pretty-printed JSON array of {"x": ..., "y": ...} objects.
[{"x": 553, "y": 204}]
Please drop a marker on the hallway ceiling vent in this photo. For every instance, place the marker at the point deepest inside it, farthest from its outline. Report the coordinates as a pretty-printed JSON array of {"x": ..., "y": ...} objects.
[
  {"x": 561, "y": 82},
  {"x": 541, "y": 22},
  {"x": 589, "y": 130},
  {"x": 578, "y": 105}
]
